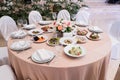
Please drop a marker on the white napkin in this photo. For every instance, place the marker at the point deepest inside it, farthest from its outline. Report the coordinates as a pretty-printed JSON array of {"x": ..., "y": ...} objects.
[
  {"x": 95, "y": 29},
  {"x": 18, "y": 34},
  {"x": 20, "y": 45},
  {"x": 45, "y": 22},
  {"x": 31, "y": 26},
  {"x": 42, "y": 56}
]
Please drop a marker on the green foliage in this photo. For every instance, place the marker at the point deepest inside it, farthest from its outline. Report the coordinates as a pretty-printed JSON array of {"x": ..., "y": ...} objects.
[{"x": 18, "y": 9}]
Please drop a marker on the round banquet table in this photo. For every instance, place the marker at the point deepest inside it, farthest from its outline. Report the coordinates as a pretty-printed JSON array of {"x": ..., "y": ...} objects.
[{"x": 92, "y": 66}]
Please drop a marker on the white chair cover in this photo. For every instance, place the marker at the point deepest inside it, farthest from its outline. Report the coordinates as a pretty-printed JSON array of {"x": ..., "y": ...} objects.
[
  {"x": 82, "y": 17},
  {"x": 115, "y": 38},
  {"x": 63, "y": 14},
  {"x": 3, "y": 56},
  {"x": 34, "y": 17},
  {"x": 7, "y": 25},
  {"x": 6, "y": 73}
]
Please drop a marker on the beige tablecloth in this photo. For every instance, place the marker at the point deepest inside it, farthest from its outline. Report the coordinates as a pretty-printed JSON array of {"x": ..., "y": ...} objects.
[{"x": 92, "y": 66}]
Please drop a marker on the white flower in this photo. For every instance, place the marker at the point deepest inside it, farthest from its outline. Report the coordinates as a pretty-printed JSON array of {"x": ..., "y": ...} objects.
[{"x": 4, "y": 8}]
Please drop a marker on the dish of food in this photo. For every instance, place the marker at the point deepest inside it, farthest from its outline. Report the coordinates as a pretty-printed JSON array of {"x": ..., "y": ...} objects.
[
  {"x": 82, "y": 32},
  {"x": 67, "y": 41},
  {"x": 35, "y": 32},
  {"x": 40, "y": 38},
  {"x": 80, "y": 39},
  {"x": 53, "y": 41},
  {"x": 93, "y": 36},
  {"x": 74, "y": 50},
  {"x": 47, "y": 29}
]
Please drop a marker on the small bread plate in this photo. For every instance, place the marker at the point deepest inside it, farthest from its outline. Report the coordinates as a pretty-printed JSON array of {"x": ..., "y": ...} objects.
[
  {"x": 93, "y": 36},
  {"x": 39, "y": 39},
  {"x": 67, "y": 41},
  {"x": 80, "y": 39},
  {"x": 48, "y": 29},
  {"x": 74, "y": 51},
  {"x": 35, "y": 32},
  {"x": 53, "y": 41}
]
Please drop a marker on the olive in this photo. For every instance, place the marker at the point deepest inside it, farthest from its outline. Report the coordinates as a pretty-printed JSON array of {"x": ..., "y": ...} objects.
[{"x": 36, "y": 38}]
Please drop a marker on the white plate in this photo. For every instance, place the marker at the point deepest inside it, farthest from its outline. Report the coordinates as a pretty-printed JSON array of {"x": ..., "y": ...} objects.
[
  {"x": 95, "y": 29},
  {"x": 41, "y": 41},
  {"x": 62, "y": 40},
  {"x": 52, "y": 44},
  {"x": 69, "y": 47},
  {"x": 82, "y": 39},
  {"x": 33, "y": 34},
  {"x": 36, "y": 58},
  {"x": 45, "y": 22},
  {"x": 88, "y": 36},
  {"x": 28, "y": 27}
]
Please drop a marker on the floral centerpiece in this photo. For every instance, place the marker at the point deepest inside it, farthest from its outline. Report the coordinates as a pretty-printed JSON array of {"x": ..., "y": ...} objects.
[{"x": 63, "y": 28}]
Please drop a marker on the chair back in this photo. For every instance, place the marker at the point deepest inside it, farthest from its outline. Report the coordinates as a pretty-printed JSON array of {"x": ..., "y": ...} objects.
[
  {"x": 7, "y": 26},
  {"x": 82, "y": 17},
  {"x": 34, "y": 17},
  {"x": 63, "y": 14},
  {"x": 115, "y": 30}
]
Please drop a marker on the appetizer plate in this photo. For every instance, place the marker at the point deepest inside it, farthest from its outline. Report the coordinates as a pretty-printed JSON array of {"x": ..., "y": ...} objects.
[
  {"x": 77, "y": 51},
  {"x": 67, "y": 41},
  {"x": 88, "y": 36},
  {"x": 35, "y": 32},
  {"x": 48, "y": 29},
  {"x": 53, "y": 41},
  {"x": 41, "y": 39},
  {"x": 80, "y": 39}
]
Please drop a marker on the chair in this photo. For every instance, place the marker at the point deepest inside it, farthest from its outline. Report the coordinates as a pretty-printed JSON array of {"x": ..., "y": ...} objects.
[
  {"x": 115, "y": 38},
  {"x": 7, "y": 25},
  {"x": 34, "y": 17},
  {"x": 63, "y": 14},
  {"x": 82, "y": 17},
  {"x": 6, "y": 73}
]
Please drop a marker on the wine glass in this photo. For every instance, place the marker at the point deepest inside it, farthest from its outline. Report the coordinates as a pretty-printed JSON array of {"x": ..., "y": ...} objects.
[
  {"x": 24, "y": 22},
  {"x": 73, "y": 17},
  {"x": 54, "y": 15},
  {"x": 20, "y": 23}
]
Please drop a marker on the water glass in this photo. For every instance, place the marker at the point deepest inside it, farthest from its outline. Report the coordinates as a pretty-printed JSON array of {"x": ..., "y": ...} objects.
[{"x": 54, "y": 15}]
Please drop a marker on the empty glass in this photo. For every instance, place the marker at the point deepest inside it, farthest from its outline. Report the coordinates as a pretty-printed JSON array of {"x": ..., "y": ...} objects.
[
  {"x": 20, "y": 23},
  {"x": 54, "y": 15},
  {"x": 73, "y": 17}
]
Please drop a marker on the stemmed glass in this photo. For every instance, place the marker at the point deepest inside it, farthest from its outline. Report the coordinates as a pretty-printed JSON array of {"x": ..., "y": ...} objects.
[
  {"x": 54, "y": 15},
  {"x": 73, "y": 17},
  {"x": 20, "y": 23}
]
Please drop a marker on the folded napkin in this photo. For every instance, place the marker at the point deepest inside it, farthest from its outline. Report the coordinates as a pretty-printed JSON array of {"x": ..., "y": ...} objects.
[
  {"x": 20, "y": 45},
  {"x": 42, "y": 56},
  {"x": 95, "y": 29},
  {"x": 45, "y": 22},
  {"x": 18, "y": 34},
  {"x": 31, "y": 26}
]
